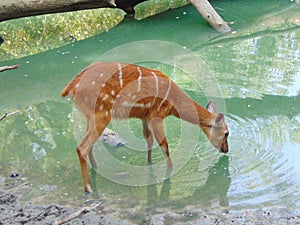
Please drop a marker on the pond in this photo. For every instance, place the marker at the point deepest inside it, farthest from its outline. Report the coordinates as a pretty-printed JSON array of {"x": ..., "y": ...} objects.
[{"x": 252, "y": 74}]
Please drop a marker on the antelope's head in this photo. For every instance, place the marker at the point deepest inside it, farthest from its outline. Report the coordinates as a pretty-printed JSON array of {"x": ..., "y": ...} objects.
[{"x": 217, "y": 132}]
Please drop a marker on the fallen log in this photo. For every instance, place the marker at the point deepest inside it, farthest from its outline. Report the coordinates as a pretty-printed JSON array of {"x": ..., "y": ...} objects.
[{"x": 13, "y": 9}]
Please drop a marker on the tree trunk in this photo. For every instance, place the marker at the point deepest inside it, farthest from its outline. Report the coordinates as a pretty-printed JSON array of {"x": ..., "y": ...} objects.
[
  {"x": 13, "y": 9},
  {"x": 210, "y": 15}
]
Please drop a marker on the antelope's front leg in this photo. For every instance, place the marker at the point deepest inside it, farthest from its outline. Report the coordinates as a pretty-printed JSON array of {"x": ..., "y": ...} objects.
[{"x": 149, "y": 139}]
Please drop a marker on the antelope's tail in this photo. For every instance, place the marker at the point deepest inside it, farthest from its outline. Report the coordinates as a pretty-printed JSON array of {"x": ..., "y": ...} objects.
[
  {"x": 66, "y": 91},
  {"x": 71, "y": 87}
]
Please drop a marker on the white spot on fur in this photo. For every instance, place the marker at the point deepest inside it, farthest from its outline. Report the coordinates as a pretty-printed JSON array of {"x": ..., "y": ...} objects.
[
  {"x": 100, "y": 107},
  {"x": 105, "y": 97},
  {"x": 93, "y": 82},
  {"x": 112, "y": 92}
]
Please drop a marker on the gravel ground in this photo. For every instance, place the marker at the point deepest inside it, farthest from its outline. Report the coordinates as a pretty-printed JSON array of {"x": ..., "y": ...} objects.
[{"x": 12, "y": 211}]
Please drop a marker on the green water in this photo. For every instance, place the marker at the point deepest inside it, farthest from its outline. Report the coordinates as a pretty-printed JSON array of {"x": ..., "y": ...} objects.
[{"x": 253, "y": 75}]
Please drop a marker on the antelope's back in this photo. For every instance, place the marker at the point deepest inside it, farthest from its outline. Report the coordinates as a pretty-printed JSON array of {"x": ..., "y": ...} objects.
[{"x": 102, "y": 86}]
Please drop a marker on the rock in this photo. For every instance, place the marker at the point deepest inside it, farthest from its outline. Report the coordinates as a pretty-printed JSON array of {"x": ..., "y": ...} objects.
[{"x": 112, "y": 138}]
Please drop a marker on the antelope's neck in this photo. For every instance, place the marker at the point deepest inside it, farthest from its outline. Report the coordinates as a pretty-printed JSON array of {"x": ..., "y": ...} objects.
[{"x": 188, "y": 110}]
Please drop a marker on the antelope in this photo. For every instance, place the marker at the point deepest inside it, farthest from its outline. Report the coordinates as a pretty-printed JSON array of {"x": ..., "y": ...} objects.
[{"x": 106, "y": 90}]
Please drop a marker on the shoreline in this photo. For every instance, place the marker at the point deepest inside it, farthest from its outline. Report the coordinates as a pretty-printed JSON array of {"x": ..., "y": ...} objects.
[{"x": 15, "y": 212}]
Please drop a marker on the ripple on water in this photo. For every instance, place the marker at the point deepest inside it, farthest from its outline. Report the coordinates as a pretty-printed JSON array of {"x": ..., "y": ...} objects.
[{"x": 261, "y": 172}]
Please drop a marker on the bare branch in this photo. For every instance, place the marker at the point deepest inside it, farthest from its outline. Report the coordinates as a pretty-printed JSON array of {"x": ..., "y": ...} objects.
[
  {"x": 3, "y": 68},
  {"x": 210, "y": 15},
  {"x": 14, "y": 188},
  {"x": 78, "y": 213},
  {"x": 6, "y": 114}
]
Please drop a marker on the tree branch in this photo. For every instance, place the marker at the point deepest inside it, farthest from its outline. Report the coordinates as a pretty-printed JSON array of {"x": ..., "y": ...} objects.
[
  {"x": 3, "y": 68},
  {"x": 210, "y": 15},
  {"x": 14, "y": 188},
  {"x": 6, "y": 114},
  {"x": 78, "y": 213}
]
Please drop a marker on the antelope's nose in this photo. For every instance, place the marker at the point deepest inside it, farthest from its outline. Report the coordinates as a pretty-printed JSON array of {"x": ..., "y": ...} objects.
[{"x": 224, "y": 146}]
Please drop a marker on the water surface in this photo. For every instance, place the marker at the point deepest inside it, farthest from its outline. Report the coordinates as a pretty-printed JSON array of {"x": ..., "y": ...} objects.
[{"x": 255, "y": 77}]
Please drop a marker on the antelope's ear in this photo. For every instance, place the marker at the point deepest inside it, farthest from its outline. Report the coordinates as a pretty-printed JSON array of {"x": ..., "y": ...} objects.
[
  {"x": 219, "y": 120},
  {"x": 211, "y": 107}
]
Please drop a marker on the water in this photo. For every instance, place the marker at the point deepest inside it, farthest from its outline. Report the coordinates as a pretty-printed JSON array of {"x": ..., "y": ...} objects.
[{"x": 254, "y": 75}]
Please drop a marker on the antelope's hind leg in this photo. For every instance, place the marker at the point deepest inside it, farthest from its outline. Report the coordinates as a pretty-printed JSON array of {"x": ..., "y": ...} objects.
[
  {"x": 84, "y": 149},
  {"x": 159, "y": 134}
]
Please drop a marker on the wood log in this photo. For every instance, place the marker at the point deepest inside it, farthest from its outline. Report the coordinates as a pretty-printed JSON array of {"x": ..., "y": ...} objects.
[
  {"x": 210, "y": 15},
  {"x": 13, "y": 9}
]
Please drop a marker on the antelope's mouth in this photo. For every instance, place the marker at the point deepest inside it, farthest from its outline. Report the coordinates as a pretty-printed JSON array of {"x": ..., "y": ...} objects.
[
  {"x": 224, "y": 149},
  {"x": 224, "y": 146}
]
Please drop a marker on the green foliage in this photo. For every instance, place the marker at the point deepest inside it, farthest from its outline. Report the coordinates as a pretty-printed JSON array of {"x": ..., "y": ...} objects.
[
  {"x": 152, "y": 7},
  {"x": 32, "y": 35}
]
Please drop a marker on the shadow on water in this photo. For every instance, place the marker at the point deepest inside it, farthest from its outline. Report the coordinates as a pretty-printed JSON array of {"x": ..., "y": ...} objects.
[
  {"x": 155, "y": 197},
  {"x": 141, "y": 204},
  {"x": 215, "y": 187}
]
